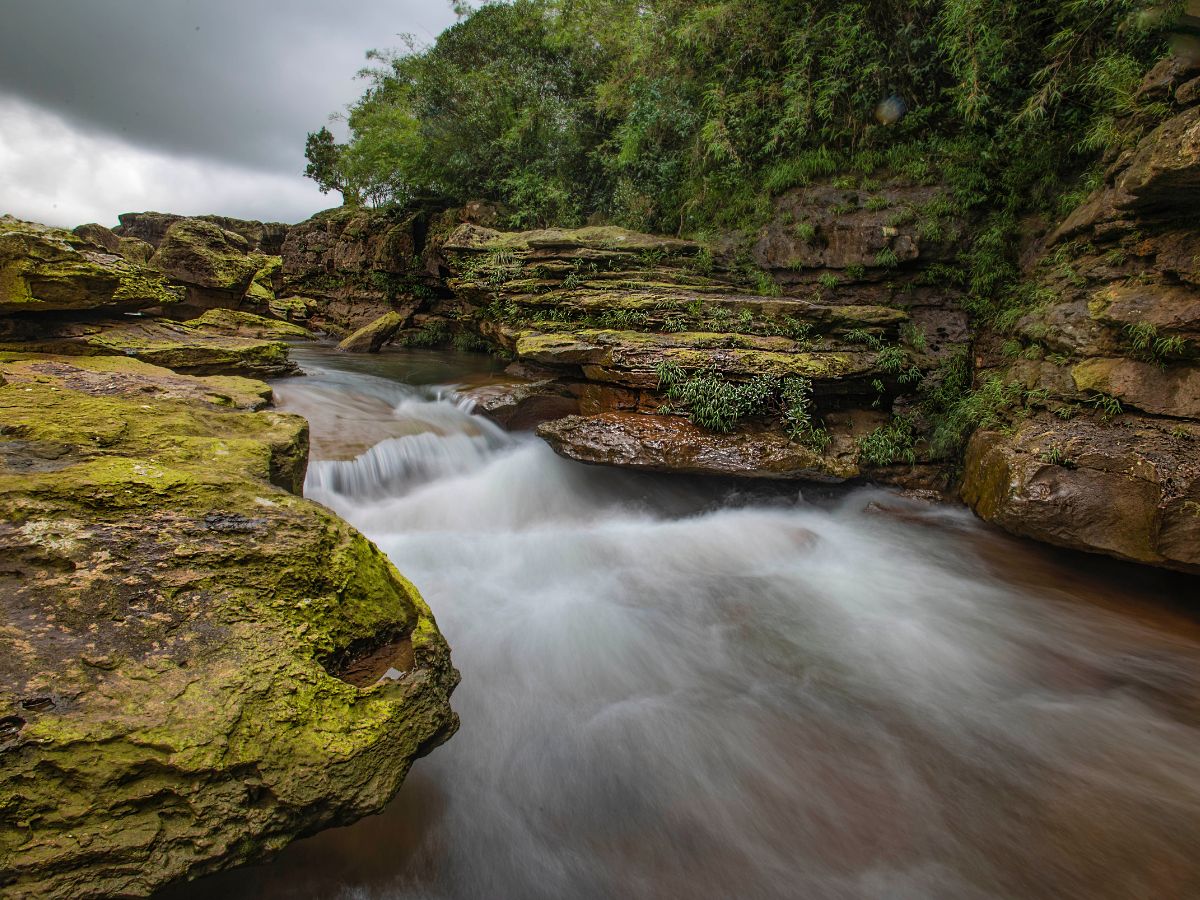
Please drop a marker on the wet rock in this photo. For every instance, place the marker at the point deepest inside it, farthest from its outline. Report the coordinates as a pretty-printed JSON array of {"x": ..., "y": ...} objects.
[
  {"x": 182, "y": 609},
  {"x": 45, "y": 269},
  {"x": 521, "y": 406},
  {"x": 1130, "y": 490},
  {"x": 672, "y": 444}
]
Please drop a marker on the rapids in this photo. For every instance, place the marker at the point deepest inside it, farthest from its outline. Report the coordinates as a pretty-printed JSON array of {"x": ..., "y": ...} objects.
[{"x": 690, "y": 689}]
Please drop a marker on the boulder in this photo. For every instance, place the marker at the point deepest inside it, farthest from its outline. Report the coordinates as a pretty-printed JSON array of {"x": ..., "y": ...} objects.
[
  {"x": 45, "y": 269},
  {"x": 202, "y": 255},
  {"x": 190, "y": 653},
  {"x": 523, "y": 405},
  {"x": 99, "y": 237},
  {"x": 371, "y": 338},
  {"x": 1130, "y": 490}
]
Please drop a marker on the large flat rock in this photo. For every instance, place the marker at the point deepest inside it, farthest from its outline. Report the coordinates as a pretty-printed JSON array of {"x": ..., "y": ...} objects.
[
  {"x": 672, "y": 444},
  {"x": 1129, "y": 489}
]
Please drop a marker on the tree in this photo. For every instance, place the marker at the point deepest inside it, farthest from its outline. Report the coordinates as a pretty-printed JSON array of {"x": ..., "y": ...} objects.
[{"x": 324, "y": 164}]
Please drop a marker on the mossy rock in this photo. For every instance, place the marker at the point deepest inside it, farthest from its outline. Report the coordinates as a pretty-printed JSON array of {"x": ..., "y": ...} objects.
[
  {"x": 371, "y": 338},
  {"x": 193, "y": 351},
  {"x": 46, "y": 269},
  {"x": 261, "y": 292},
  {"x": 170, "y": 615},
  {"x": 244, "y": 324},
  {"x": 472, "y": 238},
  {"x": 205, "y": 255},
  {"x": 630, "y": 357}
]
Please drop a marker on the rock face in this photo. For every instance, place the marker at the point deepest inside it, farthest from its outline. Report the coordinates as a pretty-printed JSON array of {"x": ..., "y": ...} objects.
[
  {"x": 151, "y": 227},
  {"x": 46, "y": 269},
  {"x": 217, "y": 267},
  {"x": 352, "y": 266},
  {"x": 609, "y": 316},
  {"x": 173, "y": 623},
  {"x": 1114, "y": 353}
]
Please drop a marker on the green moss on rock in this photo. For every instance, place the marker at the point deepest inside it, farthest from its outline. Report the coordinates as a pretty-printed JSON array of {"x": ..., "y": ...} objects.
[
  {"x": 244, "y": 324},
  {"x": 45, "y": 269},
  {"x": 170, "y": 613}
]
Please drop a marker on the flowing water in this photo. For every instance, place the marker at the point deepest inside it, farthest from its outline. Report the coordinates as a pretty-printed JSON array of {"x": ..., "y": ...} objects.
[{"x": 682, "y": 688}]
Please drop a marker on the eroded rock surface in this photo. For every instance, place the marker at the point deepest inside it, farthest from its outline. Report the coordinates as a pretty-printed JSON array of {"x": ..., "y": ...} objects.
[
  {"x": 170, "y": 616},
  {"x": 604, "y": 312},
  {"x": 1111, "y": 359},
  {"x": 49, "y": 270}
]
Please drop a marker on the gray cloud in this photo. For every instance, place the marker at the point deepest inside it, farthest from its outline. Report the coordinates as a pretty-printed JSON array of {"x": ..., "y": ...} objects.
[{"x": 224, "y": 90}]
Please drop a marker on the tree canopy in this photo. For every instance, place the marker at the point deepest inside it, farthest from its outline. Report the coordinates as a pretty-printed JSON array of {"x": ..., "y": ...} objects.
[{"x": 685, "y": 115}]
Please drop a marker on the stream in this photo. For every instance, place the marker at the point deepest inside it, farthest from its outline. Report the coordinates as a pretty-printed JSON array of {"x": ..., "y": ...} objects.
[{"x": 686, "y": 688}]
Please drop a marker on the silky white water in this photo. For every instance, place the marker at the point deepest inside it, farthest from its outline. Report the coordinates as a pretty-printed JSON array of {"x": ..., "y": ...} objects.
[{"x": 674, "y": 688}]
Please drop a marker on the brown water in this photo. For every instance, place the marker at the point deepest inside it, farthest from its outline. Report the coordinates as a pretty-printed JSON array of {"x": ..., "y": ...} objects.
[{"x": 679, "y": 688}]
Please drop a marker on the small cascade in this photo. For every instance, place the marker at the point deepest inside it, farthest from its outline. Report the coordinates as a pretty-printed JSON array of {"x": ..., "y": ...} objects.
[{"x": 673, "y": 690}]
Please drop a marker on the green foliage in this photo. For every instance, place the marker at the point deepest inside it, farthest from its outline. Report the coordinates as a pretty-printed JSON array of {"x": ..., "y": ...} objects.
[
  {"x": 891, "y": 443},
  {"x": 683, "y": 115},
  {"x": 712, "y": 402},
  {"x": 796, "y": 410},
  {"x": 430, "y": 335},
  {"x": 1057, "y": 456},
  {"x": 323, "y": 157},
  {"x": 1108, "y": 405},
  {"x": 1147, "y": 344}
]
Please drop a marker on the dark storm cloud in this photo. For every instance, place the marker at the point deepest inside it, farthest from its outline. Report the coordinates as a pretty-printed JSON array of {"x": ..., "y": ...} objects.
[
  {"x": 236, "y": 80},
  {"x": 185, "y": 105}
]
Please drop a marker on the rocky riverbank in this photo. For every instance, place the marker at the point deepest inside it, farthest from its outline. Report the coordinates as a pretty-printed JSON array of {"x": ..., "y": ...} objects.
[{"x": 190, "y": 653}]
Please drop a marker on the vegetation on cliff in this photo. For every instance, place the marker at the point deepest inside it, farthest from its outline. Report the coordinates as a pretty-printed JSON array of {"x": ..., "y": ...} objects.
[{"x": 683, "y": 116}]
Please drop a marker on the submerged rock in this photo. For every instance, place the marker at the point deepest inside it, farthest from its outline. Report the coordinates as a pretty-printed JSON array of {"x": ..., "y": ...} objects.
[{"x": 173, "y": 622}]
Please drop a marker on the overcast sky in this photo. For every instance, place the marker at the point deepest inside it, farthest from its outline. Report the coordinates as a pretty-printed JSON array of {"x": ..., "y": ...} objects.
[{"x": 188, "y": 106}]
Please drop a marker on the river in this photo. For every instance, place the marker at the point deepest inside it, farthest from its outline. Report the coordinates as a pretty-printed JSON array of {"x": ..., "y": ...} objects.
[{"x": 680, "y": 688}]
